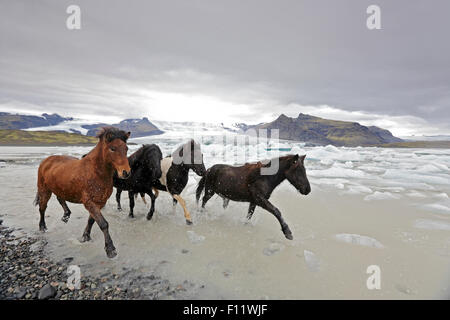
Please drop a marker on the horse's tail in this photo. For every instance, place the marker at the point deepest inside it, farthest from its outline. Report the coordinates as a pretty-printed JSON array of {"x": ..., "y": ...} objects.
[
  {"x": 37, "y": 199},
  {"x": 200, "y": 187}
]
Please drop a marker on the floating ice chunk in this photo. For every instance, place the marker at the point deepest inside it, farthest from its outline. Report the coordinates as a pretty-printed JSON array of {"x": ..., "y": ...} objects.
[
  {"x": 394, "y": 189},
  {"x": 331, "y": 148},
  {"x": 381, "y": 196},
  {"x": 327, "y": 162},
  {"x": 428, "y": 168},
  {"x": 359, "y": 240},
  {"x": 195, "y": 238},
  {"x": 312, "y": 262},
  {"x": 411, "y": 175},
  {"x": 431, "y": 224},
  {"x": 273, "y": 248},
  {"x": 336, "y": 172},
  {"x": 329, "y": 181},
  {"x": 348, "y": 164},
  {"x": 432, "y": 168},
  {"x": 358, "y": 190},
  {"x": 436, "y": 207},
  {"x": 340, "y": 186},
  {"x": 442, "y": 195},
  {"x": 416, "y": 194},
  {"x": 372, "y": 169}
]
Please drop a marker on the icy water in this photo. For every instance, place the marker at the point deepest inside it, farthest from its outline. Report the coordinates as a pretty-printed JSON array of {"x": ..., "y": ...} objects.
[{"x": 368, "y": 206}]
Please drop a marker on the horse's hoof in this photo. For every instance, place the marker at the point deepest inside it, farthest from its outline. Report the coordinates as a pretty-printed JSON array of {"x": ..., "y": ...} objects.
[
  {"x": 149, "y": 217},
  {"x": 111, "y": 253},
  {"x": 131, "y": 215},
  {"x": 189, "y": 222},
  {"x": 42, "y": 228},
  {"x": 287, "y": 233},
  {"x": 119, "y": 209},
  {"x": 85, "y": 238},
  {"x": 65, "y": 219}
]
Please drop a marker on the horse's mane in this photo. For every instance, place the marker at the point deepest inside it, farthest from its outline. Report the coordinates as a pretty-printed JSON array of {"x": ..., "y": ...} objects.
[
  {"x": 111, "y": 133},
  {"x": 255, "y": 168},
  {"x": 135, "y": 158}
]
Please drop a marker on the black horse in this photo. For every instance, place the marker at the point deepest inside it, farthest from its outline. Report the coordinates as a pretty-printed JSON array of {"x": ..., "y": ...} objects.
[
  {"x": 145, "y": 166},
  {"x": 247, "y": 184},
  {"x": 175, "y": 172}
]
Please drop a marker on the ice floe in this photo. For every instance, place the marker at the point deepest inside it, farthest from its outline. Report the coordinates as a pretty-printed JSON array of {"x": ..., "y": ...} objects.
[
  {"x": 359, "y": 240},
  {"x": 431, "y": 224},
  {"x": 312, "y": 262},
  {"x": 377, "y": 195},
  {"x": 194, "y": 237}
]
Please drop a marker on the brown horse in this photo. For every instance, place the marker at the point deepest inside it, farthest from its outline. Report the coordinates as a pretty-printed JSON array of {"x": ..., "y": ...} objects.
[
  {"x": 88, "y": 180},
  {"x": 247, "y": 184}
]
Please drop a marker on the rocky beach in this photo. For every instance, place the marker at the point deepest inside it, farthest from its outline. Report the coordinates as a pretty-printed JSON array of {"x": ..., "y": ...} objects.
[{"x": 28, "y": 273}]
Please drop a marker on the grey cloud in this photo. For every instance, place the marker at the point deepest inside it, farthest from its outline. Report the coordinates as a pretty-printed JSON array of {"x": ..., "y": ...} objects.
[{"x": 261, "y": 53}]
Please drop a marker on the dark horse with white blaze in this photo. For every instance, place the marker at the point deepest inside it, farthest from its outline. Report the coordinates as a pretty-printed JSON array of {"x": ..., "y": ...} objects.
[
  {"x": 145, "y": 166},
  {"x": 88, "y": 180},
  {"x": 175, "y": 172},
  {"x": 247, "y": 184}
]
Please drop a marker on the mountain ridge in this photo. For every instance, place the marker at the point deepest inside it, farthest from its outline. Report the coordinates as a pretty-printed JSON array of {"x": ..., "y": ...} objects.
[{"x": 320, "y": 131}]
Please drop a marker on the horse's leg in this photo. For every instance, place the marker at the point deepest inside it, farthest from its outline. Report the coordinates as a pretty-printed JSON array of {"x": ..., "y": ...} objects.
[
  {"x": 67, "y": 211},
  {"x": 87, "y": 230},
  {"x": 175, "y": 202},
  {"x": 225, "y": 202},
  {"x": 187, "y": 215},
  {"x": 152, "y": 208},
  {"x": 44, "y": 196},
  {"x": 156, "y": 192},
  {"x": 131, "y": 197},
  {"x": 208, "y": 194},
  {"x": 143, "y": 197},
  {"x": 96, "y": 214},
  {"x": 118, "y": 193},
  {"x": 251, "y": 210},
  {"x": 265, "y": 204}
]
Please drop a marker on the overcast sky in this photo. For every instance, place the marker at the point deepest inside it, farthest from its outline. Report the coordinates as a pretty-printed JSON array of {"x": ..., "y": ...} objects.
[{"x": 232, "y": 61}]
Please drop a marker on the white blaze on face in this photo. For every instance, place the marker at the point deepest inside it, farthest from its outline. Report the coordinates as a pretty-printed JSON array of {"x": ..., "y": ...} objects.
[{"x": 166, "y": 163}]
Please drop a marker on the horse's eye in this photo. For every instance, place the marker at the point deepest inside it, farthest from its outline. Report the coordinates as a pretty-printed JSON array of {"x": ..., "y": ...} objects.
[{"x": 112, "y": 149}]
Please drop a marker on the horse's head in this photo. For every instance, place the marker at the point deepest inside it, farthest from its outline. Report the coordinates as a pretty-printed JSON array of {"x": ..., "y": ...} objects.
[
  {"x": 296, "y": 174},
  {"x": 114, "y": 144},
  {"x": 151, "y": 160},
  {"x": 191, "y": 156}
]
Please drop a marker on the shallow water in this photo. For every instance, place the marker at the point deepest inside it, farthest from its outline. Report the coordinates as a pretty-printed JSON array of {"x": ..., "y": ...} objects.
[{"x": 368, "y": 206}]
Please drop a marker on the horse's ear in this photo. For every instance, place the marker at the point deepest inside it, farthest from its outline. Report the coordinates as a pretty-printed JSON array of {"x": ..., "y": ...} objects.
[
  {"x": 295, "y": 159},
  {"x": 302, "y": 158},
  {"x": 128, "y": 134}
]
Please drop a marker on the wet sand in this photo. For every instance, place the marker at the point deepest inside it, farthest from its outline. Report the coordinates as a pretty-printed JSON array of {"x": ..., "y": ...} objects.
[{"x": 238, "y": 260}]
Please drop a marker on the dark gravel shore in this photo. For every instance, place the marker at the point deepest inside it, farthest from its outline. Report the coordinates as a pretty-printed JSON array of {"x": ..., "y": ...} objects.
[{"x": 26, "y": 272}]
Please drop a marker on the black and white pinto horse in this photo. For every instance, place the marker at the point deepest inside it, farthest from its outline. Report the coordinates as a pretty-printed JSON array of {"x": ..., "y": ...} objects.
[
  {"x": 175, "y": 172},
  {"x": 145, "y": 166}
]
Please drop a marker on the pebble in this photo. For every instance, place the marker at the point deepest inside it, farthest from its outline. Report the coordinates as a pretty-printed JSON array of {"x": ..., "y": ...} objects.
[{"x": 46, "y": 292}]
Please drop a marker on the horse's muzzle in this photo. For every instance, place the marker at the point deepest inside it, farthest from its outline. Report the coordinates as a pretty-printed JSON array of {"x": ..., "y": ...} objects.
[
  {"x": 305, "y": 191},
  {"x": 125, "y": 174}
]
